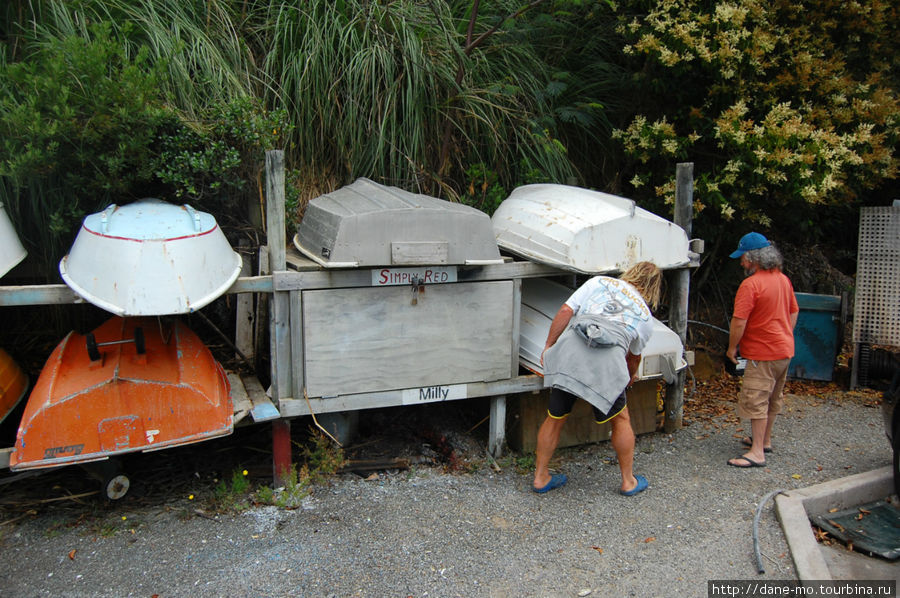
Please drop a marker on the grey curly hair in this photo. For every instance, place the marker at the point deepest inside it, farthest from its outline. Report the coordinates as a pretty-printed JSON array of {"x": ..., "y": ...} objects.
[{"x": 765, "y": 258}]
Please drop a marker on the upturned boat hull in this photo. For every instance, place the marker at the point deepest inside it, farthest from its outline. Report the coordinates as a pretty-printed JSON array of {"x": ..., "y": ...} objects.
[
  {"x": 134, "y": 384},
  {"x": 13, "y": 384}
]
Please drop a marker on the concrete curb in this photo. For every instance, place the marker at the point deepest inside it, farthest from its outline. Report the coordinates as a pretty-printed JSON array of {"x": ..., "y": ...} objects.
[{"x": 795, "y": 507}]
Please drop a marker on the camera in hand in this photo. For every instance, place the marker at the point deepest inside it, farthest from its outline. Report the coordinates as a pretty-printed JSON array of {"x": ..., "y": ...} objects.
[{"x": 735, "y": 369}]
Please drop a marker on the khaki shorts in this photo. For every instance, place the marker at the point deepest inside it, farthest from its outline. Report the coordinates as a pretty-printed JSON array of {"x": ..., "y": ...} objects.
[{"x": 762, "y": 389}]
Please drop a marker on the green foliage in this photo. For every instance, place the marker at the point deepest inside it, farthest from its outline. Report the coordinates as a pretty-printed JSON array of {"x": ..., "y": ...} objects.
[
  {"x": 783, "y": 107},
  {"x": 583, "y": 91},
  {"x": 217, "y": 158},
  {"x": 780, "y": 106},
  {"x": 84, "y": 123},
  {"x": 321, "y": 460},
  {"x": 202, "y": 44},
  {"x": 395, "y": 91},
  {"x": 108, "y": 526},
  {"x": 54, "y": 529},
  {"x": 391, "y": 91},
  {"x": 291, "y": 494},
  {"x": 322, "y": 457},
  {"x": 484, "y": 191},
  {"x": 80, "y": 112},
  {"x": 522, "y": 464},
  {"x": 78, "y": 122},
  {"x": 233, "y": 496}
]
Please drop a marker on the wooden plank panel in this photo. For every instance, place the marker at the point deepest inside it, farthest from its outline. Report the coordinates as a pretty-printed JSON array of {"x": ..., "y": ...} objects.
[
  {"x": 275, "y": 195},
  {"x": 382, "y": 338},
  {"x": 296, "y": 341},
  {"x": 280, "y": 344},
  {"x": 395, "y": 398},
  {"x": 60, "y": 294},
  {"x": 263, "y": 409},
  {"x": 362, "y": 277},
  {"x": 38, "y": 294},
  {"x": 419, "y": 253},
  {"x": 244, "y": 312},
  {"x": 240, "y": 401},
  {"x": 529, "y": 411}
]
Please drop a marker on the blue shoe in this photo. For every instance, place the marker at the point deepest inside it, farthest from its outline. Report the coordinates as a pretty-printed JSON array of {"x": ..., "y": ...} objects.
[
  {"x": 642, "y": 484},
  {"x": 557, "y": 480}
]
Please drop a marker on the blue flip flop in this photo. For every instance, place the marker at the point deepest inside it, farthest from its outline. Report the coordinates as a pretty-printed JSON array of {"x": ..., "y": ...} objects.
[
  {"x": 642, "y": 484},
  {"x": 557, "y": 480}
]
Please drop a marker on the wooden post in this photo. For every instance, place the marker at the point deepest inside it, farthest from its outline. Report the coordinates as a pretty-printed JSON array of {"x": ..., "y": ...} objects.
[
  {"x": 281, "y": 451},
  {"x": 261, "y": 319},
  {"x": 280, "y": 341},
  {"x": 245, "y": 316},
  {"x": 497, "y": 434},
  {"x": 279, "y": 314},
  {"x": 679, "y": 283}
]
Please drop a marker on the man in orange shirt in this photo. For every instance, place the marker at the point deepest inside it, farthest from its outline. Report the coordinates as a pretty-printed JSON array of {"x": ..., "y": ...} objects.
[{"x": 765, "y": 312}]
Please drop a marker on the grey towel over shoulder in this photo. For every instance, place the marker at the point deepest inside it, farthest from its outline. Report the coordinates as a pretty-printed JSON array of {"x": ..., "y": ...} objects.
[{"x": 595, "y": 371}]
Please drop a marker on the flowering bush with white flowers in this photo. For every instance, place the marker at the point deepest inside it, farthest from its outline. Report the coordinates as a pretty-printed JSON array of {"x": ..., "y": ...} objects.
[{"x": 781, "y": 106}]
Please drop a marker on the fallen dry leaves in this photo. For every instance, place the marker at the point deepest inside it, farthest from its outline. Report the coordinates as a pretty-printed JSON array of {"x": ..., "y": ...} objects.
[{"x": 711, "y": 402}]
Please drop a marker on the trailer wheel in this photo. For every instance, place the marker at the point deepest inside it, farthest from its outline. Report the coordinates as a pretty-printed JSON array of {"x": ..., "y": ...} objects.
[
  {"x": 116, "y": 486},
  {"x": 114, "y": 483}
]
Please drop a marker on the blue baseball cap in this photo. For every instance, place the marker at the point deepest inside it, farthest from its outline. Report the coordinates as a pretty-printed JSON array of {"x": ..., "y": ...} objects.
[{"x": 749, "y": 242}]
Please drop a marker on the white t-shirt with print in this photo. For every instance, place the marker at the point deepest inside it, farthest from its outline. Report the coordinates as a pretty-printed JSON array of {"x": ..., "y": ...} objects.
[{"x": 619, "y": 302}]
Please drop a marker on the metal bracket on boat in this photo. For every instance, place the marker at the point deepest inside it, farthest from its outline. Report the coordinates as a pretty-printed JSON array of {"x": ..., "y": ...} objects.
[
  {"x": 195, "y": 216},
  {"x": 93, "y": 347},
  {"x": 418, "y": 288},
  {"x": 104, "y": 216}
]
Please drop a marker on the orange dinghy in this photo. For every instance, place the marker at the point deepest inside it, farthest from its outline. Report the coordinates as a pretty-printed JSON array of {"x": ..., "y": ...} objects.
[
  {"x": 134, "y": 384},
  {"x": 13, "y": 384}
]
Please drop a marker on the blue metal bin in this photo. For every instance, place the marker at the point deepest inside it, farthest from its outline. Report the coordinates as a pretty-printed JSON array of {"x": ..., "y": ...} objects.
[{"x": 816, "y": 337}]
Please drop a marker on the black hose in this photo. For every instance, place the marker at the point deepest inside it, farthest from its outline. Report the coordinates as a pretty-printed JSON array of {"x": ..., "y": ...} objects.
[
  {"x": 708, "y": 325},
  {"x": 698, "y": 323},
  {"x": 759, "y": 565}
]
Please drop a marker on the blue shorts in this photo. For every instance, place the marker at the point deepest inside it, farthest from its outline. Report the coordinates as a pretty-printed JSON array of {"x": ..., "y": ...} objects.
[{"x": 561, "y": 403}]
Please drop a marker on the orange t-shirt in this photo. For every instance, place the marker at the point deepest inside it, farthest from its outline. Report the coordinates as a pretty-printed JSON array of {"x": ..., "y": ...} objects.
[{"x": 766, "y": 300}]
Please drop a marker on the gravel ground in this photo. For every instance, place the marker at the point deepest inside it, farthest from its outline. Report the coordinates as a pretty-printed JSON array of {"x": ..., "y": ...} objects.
[{"x": 430, "y": 532}]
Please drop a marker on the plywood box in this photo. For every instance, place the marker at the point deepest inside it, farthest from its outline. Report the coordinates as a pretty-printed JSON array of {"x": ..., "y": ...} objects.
[
  {"x": 527, "y": 412},
  {"x": 378, "y": 339}
]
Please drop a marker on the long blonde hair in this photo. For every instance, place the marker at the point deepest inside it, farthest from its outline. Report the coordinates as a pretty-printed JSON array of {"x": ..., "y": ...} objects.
[{"x": 646, "y": 277}]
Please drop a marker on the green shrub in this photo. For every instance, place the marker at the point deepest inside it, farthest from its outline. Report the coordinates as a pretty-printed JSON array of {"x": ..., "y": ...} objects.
[
  {"x": 78, "y": 130},
  {"x": 233, "y": 496},
  {"x": 216, "y": 160}
]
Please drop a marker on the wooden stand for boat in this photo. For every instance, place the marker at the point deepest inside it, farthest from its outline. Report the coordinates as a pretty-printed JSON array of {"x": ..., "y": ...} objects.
[{"x": 286, "y": 400}]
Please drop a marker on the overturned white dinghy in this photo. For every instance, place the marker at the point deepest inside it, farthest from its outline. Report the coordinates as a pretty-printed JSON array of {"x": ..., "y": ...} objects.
[
  {"x": 663, "y": 356},
  {"x": 367, "y": 224},
  {"x": 11, "y": 250},
  {"x": 585, "y": 231},
  {"x": 150, "y": 258}
]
